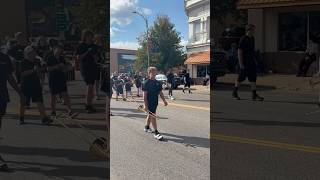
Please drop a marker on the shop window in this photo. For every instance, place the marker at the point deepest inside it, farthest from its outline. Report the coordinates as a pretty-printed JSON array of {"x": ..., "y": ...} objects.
[
  {"x": 293, "y": 31},
  {"x": 314, "y": 27},
  {"x": 202, "y": 70}
]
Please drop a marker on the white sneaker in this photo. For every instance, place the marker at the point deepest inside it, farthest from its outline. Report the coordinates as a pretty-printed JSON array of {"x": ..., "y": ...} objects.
[
  {"x": 158, "y": 136},
  {"x": 172, "y": 98}
]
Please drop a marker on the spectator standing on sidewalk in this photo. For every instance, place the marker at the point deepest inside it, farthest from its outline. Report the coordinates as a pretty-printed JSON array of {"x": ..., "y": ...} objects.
[
  {"x": 247, "y": 63},
  {"x": 88, "y": 55}
]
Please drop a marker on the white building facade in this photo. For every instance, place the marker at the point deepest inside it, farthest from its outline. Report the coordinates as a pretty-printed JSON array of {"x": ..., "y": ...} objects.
[{"x": 198, "y": 47}]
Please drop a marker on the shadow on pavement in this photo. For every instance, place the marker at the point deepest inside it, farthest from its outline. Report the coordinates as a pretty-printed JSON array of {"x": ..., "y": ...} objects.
[
  {"x": 219, "y": 86},
  {"x": 293, "y": 102},
  {"x": 265, "y": 123},
  {"x": 137, "y": 116},
  {"x": 194, "y": 100},
  {"x": 188, "y": 141},
  {"x": 63, "y": 171},
  {"x": 71, "y": 154}
]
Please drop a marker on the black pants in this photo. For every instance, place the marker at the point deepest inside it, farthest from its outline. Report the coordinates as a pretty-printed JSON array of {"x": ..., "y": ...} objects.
[{"x": 306, "y": 63}]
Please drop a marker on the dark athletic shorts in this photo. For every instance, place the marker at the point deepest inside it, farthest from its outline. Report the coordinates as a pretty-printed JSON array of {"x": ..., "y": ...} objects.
[
  {"x": 36, "y": 96},
  {"x": 153, "y": 108},
  {"x": 3, "y": 108},
  {"x": 89, "y": 79},
  {"x": 250, "y": 73},
  {"x": 57, "y": 87}
]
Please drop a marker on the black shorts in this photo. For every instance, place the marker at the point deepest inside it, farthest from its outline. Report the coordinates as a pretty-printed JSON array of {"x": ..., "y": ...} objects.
[
  {"x": 3, "y": 108},
  {"x": 187, "y": 85},
  {"x": 152, "y": 108},
  {"x": 119, "y": 91},
  {"x": 89, "y": 79},
  {"x": 250, "y": 73},
  {"x": 58, "y": 87},
  {"x": 35, "y": 95}
]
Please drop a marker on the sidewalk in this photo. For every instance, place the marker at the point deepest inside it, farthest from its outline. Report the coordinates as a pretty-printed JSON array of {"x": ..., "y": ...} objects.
[{"x": 277, "y": 81}]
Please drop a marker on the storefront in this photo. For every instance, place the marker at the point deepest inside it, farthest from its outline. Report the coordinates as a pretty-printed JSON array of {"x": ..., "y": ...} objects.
[
  {"x": 283, "y": 28},
  {"x": 198, "y": 65}
]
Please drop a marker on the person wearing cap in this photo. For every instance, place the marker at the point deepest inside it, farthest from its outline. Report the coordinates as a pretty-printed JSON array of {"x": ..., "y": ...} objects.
[
  {"x": 87, "y": 52},
  {"x": 247, "y": 63},
  {"x": 31, "y": 85}
]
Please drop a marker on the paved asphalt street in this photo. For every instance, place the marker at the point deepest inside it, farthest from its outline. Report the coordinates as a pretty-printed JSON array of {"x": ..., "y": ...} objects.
[
  {"x": 37, "y": 152},
  {"x": 185, "y": 153},
  {"x": 270, "y": 140}
]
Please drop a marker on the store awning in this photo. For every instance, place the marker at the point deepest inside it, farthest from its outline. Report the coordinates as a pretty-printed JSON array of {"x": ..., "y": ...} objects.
[
  {"x": 254, "y": 4},
  {"x": 199, "y": 58}
]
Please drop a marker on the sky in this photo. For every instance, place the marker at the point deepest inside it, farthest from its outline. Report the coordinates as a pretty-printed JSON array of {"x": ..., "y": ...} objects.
[{"x": 125, "y": 26}]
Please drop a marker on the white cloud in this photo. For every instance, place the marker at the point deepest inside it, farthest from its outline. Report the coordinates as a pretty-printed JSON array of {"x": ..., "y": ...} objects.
[
  {"x": 146, "y": 11},
  {"x": 121, "y": 13},
  {"x": 183, "y": 42},
  {"x": 124, "y": 45}
]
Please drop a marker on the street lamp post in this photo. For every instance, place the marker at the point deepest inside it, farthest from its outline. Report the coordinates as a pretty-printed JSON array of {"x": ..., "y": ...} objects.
[{"x": 147, "y": 26}]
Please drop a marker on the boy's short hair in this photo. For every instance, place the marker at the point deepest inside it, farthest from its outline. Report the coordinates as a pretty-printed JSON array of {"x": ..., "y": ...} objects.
[
  {"x": 85, "y": 33},
  {"x": 151, "y": 69}
]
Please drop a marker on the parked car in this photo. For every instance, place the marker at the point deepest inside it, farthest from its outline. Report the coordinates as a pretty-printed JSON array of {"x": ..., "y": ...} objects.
[
  {"x": 163, "y": 79},
  {"x": 218, "y": 65}
]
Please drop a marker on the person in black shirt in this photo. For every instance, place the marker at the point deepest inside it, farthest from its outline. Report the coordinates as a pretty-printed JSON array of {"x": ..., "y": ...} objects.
[
  {"x": 6, "y": 75},
  {"x": 138, "y": 82},
  {"x": 151, "y": 90},
  {"x": 119, "y": 83},
  {"x": 187, "y": 82},
  {"x": 171, "y": 82},
  {"x": 88, "y": 55},
  {"x": 57, "y": 79},
  {"x": 128, "y": 85},
  {"x": 30, "y": 84},
  {"x": 247, "y": 63}
]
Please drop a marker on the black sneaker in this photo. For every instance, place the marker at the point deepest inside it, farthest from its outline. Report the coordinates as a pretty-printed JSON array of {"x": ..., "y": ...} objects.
[
  {"x": 71, "y": 114},
  {"x": 53, "y": 114},
  {"x": 91, "y": 110},
  {"x": 21, "y": 121},
  {"x": 47, "y": 121},
  {"x": 158, "y": 136},
  {"x": 256, "y": 97},
  {"x": 235, "y": 95},
  {"x": 147, "y": 129},
  {"x": 4, "y": 167}
]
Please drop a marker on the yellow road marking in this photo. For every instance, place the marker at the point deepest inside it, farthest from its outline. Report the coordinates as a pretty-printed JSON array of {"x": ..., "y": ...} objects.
[
  {"x": 188, "y": 106},
  {"x": 279, "y": 145}
]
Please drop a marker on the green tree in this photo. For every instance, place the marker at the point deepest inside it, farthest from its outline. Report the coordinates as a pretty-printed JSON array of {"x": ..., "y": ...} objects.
[
  {"x": 223, "y": 8},
  {"x": 91, "y": 14},
  {"x": 165, "y": 51}
]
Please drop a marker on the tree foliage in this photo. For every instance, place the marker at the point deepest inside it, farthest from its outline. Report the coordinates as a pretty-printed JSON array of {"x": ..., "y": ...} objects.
[
  {"x": 165, "y": 49},
  {"x": 91, "y": 14},
  {"x": 222, "y": 8}
]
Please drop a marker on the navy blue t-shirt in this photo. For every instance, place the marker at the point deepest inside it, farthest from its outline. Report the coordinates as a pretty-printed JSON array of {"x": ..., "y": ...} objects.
[{"x": 153, "y": 89}]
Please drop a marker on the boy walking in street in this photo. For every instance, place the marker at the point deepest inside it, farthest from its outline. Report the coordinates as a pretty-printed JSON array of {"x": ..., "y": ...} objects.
[
  {"x": 247, "y": 63},
  {"x": 151, "y": 90},
  {"x": 6, "y": 75},
  {"x": 31, "y": 86},
  {"x": 57, "y": 79}
]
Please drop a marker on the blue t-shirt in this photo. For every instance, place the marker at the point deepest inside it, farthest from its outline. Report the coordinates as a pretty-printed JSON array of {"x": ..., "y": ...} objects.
[{"x": 153, "y": 89}]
